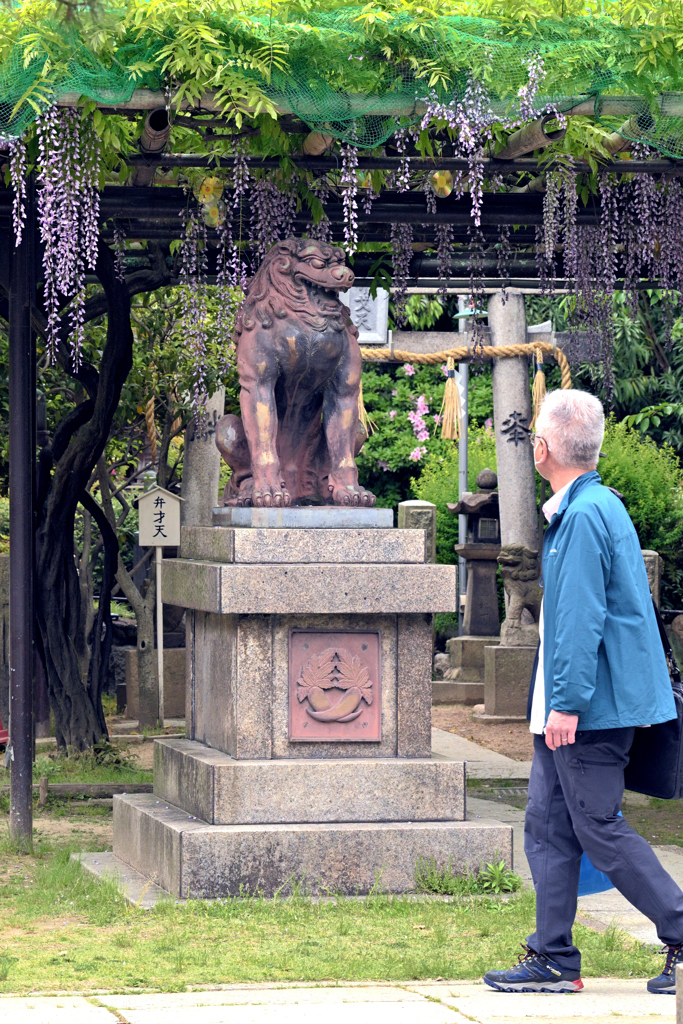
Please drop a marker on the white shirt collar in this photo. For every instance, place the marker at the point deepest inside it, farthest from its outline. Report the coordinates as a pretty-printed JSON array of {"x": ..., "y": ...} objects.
[{"x": 552, "y": 504}]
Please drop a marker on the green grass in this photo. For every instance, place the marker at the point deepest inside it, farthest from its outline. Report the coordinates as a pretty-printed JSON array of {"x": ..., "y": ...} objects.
[
  {"x": 58, "y": 768},
  {"x": 71, "y": 932}
]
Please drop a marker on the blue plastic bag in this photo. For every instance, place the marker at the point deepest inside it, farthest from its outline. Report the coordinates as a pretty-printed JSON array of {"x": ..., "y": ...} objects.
[{"x": 591, "y": 880}]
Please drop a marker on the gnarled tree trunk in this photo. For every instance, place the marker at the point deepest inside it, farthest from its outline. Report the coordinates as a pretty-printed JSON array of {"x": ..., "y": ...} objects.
[{"x": 75, "y": 692}]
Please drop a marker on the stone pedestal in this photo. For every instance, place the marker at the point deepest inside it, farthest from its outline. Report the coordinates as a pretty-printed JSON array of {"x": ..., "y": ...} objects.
[
  {"x": 308, "y": 755},
  {"x": 464, "y": 680},
  {"x": 507, "y": 677}
]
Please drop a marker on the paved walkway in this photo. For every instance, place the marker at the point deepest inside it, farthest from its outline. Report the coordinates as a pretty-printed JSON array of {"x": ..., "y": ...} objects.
[
  {"x": 417, "y": 1003},
  {"x": 481, "y": 763}
]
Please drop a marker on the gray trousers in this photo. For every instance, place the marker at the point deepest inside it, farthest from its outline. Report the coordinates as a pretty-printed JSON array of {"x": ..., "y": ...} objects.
[{"x": 575, "y": 794}]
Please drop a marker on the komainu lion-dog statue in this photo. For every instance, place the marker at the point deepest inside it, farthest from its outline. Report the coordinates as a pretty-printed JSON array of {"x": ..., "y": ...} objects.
[{"x": 299, "y": 367}]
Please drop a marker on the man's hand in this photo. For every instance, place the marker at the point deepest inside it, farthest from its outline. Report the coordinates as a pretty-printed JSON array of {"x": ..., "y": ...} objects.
[{"x": 560, "y": 729}]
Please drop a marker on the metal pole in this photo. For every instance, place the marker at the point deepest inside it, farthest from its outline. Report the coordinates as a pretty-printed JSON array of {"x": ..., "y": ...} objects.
[
  {"x": 160, "y": 636},
  {"x": 22, "y": 553},
  {"x": 463, "y": 370}
]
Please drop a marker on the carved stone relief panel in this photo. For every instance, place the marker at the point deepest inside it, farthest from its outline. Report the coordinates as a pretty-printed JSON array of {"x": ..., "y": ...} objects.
[{"x": 334, "y": 687}]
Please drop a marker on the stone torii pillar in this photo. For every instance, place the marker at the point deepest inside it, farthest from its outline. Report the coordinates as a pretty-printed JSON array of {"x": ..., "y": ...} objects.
[{"x": 508, "y": 666}]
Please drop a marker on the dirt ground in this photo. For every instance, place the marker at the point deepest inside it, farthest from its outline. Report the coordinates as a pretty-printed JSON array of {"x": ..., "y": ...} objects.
[{"x": 513, "y": 740}]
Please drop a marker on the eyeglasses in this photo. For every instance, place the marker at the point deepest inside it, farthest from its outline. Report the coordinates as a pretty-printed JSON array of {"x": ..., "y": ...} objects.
[{"x": 537, "y": 437}]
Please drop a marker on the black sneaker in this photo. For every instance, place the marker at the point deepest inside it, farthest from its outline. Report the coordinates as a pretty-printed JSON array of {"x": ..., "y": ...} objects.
[
  {"x": 534, "y": 972},
  {"x": 666, "y": 981}
]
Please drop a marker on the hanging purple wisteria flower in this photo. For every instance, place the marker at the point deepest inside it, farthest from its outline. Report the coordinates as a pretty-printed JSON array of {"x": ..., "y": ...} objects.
[
  {"x": 194, "y": 309},
  {"x": 444, "y": 240},
  {"x": 349, "y": 184},
  {"x": 17, "y": 165},
  {"x": 273, "y": 212},
  {"x": 68, "y": 212},
  {"x": 119, "y": 252},
  {"x": 401, "y": 255}
]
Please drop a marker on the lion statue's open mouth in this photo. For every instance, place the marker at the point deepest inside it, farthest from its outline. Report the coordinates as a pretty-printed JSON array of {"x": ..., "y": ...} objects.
[{"x": 299, "y": 366}]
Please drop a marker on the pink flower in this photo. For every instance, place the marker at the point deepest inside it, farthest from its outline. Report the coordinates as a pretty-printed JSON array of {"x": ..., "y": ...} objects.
[
  {"x": 444, "y": 370},
  {"x": 383, "y": 465},
  {"x": 409, "y": 370},
  {"x": 422, "y": 407},
  {"x": 392, "y": 414},
  {"x": 437, "y": 418},
  {"x": 417, "y": 453},
  {"x": 394, "y": 392},
  {"x": 423, "y": 435}
]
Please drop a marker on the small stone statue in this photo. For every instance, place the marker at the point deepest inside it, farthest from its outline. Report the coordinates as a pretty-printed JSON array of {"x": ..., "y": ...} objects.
[
  {"x": 520, "y": 569},
  {"x": 300, "y": 369}
]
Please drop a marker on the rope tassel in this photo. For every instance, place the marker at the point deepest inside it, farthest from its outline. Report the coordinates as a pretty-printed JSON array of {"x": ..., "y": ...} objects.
[
  {"x": 451, "y": 410},
  {"x": 538, "y": 392},
  {"x": 369, "y": 425}
]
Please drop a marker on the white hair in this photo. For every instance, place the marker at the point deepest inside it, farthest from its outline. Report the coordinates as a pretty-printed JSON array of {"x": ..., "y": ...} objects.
[{"x": 573, "y": 425}]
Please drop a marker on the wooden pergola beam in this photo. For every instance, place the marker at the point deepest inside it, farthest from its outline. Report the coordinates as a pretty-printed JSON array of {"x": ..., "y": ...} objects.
[
  {"x": 522, "y": 165},
  {"x": 667, "y": 104}
]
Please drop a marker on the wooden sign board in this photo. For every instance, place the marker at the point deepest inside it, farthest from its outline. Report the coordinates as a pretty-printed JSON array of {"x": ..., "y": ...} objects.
[{"x": 159, "y": 514}]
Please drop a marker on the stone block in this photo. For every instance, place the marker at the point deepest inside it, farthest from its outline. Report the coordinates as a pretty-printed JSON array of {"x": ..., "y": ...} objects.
[
  {"x": 415, "y": 637},
  {"x": 507, "y": 677},
  {"x": 174, "y": 683},
  {"x": 445, "y": 692},
  {"x": 653, "y": 567},
  {"x": 467, "y": 657},
  {"x": 420, "y": 515},
  {"x": 256, "y": 546},
  {"x": 306, "y": 517},
  {"x": 193, "y": 859},
  {"x": 238, "y": 684},
  {"x": 273, "y": 589},
  {"x": 213, "y": 786}
]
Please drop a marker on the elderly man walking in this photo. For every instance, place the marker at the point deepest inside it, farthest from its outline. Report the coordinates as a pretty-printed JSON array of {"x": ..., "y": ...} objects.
[{"x": 601, "y": 672}]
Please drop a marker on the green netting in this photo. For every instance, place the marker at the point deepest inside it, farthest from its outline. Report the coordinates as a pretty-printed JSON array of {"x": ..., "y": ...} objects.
[{"x": 356, "y": 82}]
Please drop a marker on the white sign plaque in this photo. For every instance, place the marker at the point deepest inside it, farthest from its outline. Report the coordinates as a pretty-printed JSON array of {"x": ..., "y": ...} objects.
[
  {"x": 369, "y": 315},
  {"x": 159, "y": 514}
]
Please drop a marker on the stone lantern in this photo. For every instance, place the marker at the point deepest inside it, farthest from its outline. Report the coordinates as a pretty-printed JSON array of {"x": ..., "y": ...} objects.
[{"x": 464, "y": 679}]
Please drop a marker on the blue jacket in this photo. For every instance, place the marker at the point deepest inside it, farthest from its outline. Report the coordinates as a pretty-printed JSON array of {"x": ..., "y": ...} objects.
[{"x": 602, "y": 653}]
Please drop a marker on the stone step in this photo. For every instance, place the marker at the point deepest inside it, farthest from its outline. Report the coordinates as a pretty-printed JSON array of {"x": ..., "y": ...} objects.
[
  {"x": 260, "y": 546},
  {"x": 193, "y": 859},
  {"x": 317, "y": 588},
  {"x": 223, "y": 791}
]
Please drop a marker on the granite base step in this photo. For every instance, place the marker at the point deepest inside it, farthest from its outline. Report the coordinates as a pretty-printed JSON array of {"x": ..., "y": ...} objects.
[
  {"x": 192, "y": 859},
  {"x": 224, "y": 791}
]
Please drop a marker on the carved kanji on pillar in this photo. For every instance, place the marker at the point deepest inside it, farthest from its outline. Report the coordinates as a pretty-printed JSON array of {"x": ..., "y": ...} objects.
[{"x": 334, "y": 687}]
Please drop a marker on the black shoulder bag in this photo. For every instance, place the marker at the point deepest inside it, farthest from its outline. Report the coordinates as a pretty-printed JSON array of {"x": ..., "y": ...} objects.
[{"x": 656, "y": 756}]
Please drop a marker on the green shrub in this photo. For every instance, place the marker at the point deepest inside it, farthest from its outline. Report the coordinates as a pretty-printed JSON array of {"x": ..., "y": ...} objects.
[{"x": 651, "y": 479}]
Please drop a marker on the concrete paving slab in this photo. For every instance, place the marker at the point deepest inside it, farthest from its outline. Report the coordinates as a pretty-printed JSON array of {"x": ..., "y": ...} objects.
[
  {"x": 374, "y": 1004},
  {"x": 481, "y": 763},
  {"x": 52, "y": 1010},
  {"x": 602, "y": 1000}
]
